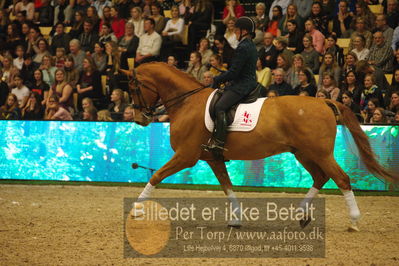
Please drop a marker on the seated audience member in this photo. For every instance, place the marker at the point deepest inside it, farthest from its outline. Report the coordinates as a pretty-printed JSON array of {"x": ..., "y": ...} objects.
[
  {"x": 303, "y": 7},
  {"x": 322, "y": 94},
  {"x": 350, "y": 63},
  {"x": 261, "y": 19},
  {"x": 208, "y": 78},
  {"x": 379, "y": 116},
  {"x": 137, "y": 20},
  {"x": 128, "y": 114},
  {"x": 63, "y": 12},
  {"x": 333, "y": 48},
  {"x": 204, "y": 50},
  {"x": 223, "y": 48},
  {"x": 371, "y": 90},
  {"x": 281, "y": 46},
  {"x": 117, "y": 23},
  {"x": 104, "y": 115},
  {"x": 27, "y": 70},
  {"x": 45, "y": 16},
  {"x": 272, "y": 94},
  {"x": 293, "y": 72},
  {"x": 99, "y": 56},
  {"x": 160, "y": 21},
  {"x": 272, "y": 27},
  {"x": 20, "y": 90},
  {"x": 381, "y": 25},
  {"x": 305, "y": 83},
  {"x": 89, "y": 84},
  {"x": 18, "y": 62},
  {"x": 342, "y": 21},
  {"x": 149, "y": 44},
  {"x": 33, "y": 109},
  {"x": 9, "y": 70},
  {"x": 89, "y": 36},
  {"x": 318, "y": 38},
  {"x": 394, "y": 104},
  {"x": 77, "y": 53},
  {"x": 4, "y": 90},
  {"x": 25, "y": 5},
  {"x": 353, "y": 85},
  {"x": 10, "y": 110},
  {"x": 43, "y": 49},
  {"x": 48, "y": 69},
  {"x": 347, "y": 99},
  {"x": 329, "y": 85},
  {"x": 118, "y": 105},
  {"x": 128, "y": 45},
  {"x": 90, "y": 114},
  {"x": 361, "y": 30},
  {"x": 54, "y": 111},
  {"x": 62, "y": 90},
  {"x": 199, "y": 22},
  {"x": 263, "y": 74},
  {"x": 319, "y": 18},
  {"x": 268, "y": 54},
  {"x": 381, "y": 54},
  {"x": 330, "y": 66},
  {"x": 216, "y": 67},
  {"x": 295, "y": 37},
  {"x": 303, "y": 93},
  {"x": 233, "y": 9},
  {"x": 195, "y": 67},
  {"x": 71, "y": 72},
  {"x": 115, "y": 74},
  {"x": 284, "y": 63},
  {"x": 77, "y": 26},
  {"x": 106, "y": 34},
  {"x": 279, "y": 84},
  {"x": 230, "y": 33},
  {"x": 360, "y": 50},
  {"x": 310, "y": 55},
  {"x": 92, "y": 14},
  {"x": 172, "y": 34},
  {"x": 172, "y": 61},
  {"x": 292, "y": 14},
  {"x": 39, "y": 86}
]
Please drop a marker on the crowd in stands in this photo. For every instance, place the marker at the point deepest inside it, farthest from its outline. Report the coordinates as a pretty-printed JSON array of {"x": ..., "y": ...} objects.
[{"x": 70, "y": 59}]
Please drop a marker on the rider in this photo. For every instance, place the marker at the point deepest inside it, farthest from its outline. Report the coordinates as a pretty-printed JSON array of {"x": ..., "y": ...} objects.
[{"x": 242, "y": 77}]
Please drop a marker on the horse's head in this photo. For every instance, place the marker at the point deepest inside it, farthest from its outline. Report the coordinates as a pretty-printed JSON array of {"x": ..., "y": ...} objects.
[{"x": 145, "y": 98}]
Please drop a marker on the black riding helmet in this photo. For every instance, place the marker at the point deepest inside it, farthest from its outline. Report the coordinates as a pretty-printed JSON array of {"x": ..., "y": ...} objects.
[{"x": 246, "y": 23}]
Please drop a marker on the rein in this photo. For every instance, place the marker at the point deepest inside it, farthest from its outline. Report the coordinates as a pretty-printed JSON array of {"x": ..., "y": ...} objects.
[{"x": 151, "y": 111}]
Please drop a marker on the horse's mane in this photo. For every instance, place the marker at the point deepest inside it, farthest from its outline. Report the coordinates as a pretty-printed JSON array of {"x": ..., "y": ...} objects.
[{"x": 176, "y": 71}]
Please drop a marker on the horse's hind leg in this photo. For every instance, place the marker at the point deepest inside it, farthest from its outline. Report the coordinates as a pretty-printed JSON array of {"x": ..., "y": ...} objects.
[
  {"x": 331, "y": 168},
  {"x": 319, "y": 179},
  {"x": 219, "y": 169}
]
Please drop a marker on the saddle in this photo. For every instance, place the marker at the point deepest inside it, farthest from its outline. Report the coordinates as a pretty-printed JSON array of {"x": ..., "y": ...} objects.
[{"x": 250, "y": 98}]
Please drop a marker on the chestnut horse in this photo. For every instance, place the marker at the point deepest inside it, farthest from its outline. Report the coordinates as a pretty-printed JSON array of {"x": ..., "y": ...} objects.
[{"x": 305, "y": 126}]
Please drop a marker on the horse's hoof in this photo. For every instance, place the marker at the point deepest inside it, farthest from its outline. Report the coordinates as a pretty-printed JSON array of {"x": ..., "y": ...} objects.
[
  {"x": 304, "y": 222},
  {"x": 137, "y": 210},
  {"x": 353, "y": 228},
  {"x": 234, "y": 223}
]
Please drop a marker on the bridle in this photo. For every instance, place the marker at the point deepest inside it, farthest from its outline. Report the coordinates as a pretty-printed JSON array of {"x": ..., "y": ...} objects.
[{"x": 150, "y": 111}]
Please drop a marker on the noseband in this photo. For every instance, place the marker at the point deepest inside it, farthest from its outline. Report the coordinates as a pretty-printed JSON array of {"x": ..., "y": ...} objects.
[{"x": 151, "y": 111}]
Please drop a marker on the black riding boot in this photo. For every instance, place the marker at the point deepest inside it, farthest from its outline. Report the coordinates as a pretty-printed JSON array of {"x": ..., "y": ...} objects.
[{"x": 216, "y": 144}]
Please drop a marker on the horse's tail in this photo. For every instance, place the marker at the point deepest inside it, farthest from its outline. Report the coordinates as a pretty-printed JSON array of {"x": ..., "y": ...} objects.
[{"x": 348, "y": 119}]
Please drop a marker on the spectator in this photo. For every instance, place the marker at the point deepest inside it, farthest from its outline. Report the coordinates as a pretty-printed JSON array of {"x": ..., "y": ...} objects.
[
  {"x": 172, "y": 34},
  {"x": 77, "y": 53},
  {"x": 90, "y": 114},
  {"x": 363, "y": 11},
  {"x": 124, "y": 8},
  {"x": 46, "y": 14},
  {"x": 328, "y": 84},
  {"x": 199, "y": 22},
  {"x": 230, "y": 33},
  {"x": 318, "y": 38},
  {"x": 395, "y": 81},
  {"x": 195, "y": 68},
  {"x": 279, "y": 84},
  {"x": 395, "y": 39},
  {"x": 304, "y": 7},
  {"x": 371, "y": 90},
  {"x": 60, "y": 39},
  {"x": 172, "y": 61},
  {"x": 63, "y": 12},
  {"x": 54, "y": 111},
  {"x": 40, "y": 87},
  {"x": 329, "y": 65},
  {"x": 99, "y": 57},
  {"x": 91, "y": 13},
  {"x": 117, "y": 23},
  {"x": 333, "y": 48},
  {"x": 353, "y": 85},
  {"x": 360, "y": 30},
  {"x": 25, "y": 5},
  {"x": 379, "y": 116},
  {"x": 208, "y": 79},
  {"x": 48, "y": 69},
  {"x": 272, "y": 94},
  {"x": 137, "y": 21},
  {"x": 205, "y": 51},
  {"x": 347, "y": 99},
  {"x": 18, "y": 62},
  {"x": 89, "y": 84},
  {"x": 160, "y": 21},
  {"x": 88, "y": 37},
  {"x": 310, "y": 55},
  {"x": 13, "y": 38},
  {"x": 113, "y": 65},
  {"x": 27, "y": 70},
  {"x": 33, "y": 109},
  {"x": 263, "y": 74},
  {"x": 360, "y": 50},
  {"x": 293, "y": 72},
  {"x": 305, "y": 83},
  {"x": 381, "y": 25},
  {"x": 275, "y": 20},
  {"x": 128, "y": 45},
  {"x": 322, "y": 94},
  {"x": 59, "y": 57},
  {"x": 381, "y": 54},
  {"x": 319, "y": 18},
  {"x": 281, "y": 46},
  {"x": 71, "y": 72},
  {"x": 25, "y": 32},
  {"x": 394, "y": 104},
  {"x": 342, "y": 20},
  {"x": 10, "y": 109},
  {"x": 295, "y": 37},
  {"x": 186, "y": 9},
  {"x": 42, "y": 51},
  {"x": 128, "y": 114},
  {"x": 9, "y": 71},
  {"x": 118, "y": 105},
  {"x": 216, "y": 65},
  {"x": 233, "y": 9},
  {"x": 150, "y": 43},
  {"x": 106, "y": 34},
  {"x": 104, "y": 115},
  {"x": 62, "y": 90},
  {"x": 392, "y": 13},
  {"x": 4, "y": 90},
  {"x": 77, "y": 26},
  {"x": 367, "y": 113},
  {"x": 283, "y": 63},
  {"x": 350, "y": 63},
  {"x": 292, "y": 14},
  {"x": 363, "y": 68},
  {"x": 268, "y": 54},
  {"x": 20, "y": 90},
  {"x": 34, "y": 37},
  {"x": 261, "y": 19},
  {"x": 283, "y": 4},
  {"x": 146, "y": 7},
  {"x": 223, "y": 48},
  {"x": 99, "y": 5}
]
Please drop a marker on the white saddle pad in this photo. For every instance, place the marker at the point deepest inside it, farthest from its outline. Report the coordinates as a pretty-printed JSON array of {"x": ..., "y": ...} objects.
[{"x": 245, "y": 118}]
